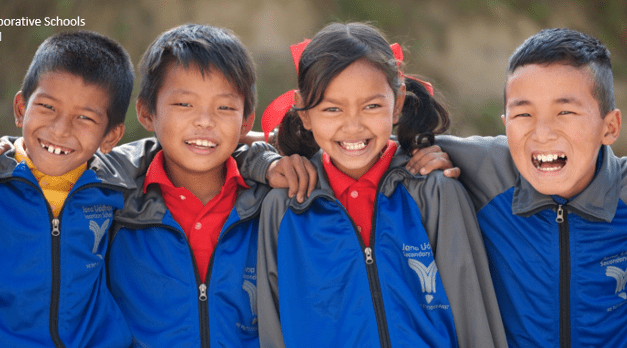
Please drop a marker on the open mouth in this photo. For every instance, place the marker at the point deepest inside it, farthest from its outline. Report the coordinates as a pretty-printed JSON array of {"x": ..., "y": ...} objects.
[
  {"x": 549, "y": 162},
  {"x": 57, "y": 150},
  {"x": 354, "y": 146},
  {"x": 201, "y": 143}
]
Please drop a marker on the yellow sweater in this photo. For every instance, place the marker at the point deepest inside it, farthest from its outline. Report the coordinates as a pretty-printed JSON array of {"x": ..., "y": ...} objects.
[{"x": 55, "y": 188}]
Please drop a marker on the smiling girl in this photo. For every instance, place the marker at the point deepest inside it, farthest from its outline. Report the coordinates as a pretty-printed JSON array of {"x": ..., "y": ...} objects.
[{"x": 375, "y": 257}]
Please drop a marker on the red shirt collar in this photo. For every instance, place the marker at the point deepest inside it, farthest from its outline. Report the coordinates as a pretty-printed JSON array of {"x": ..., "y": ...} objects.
[
  {"x": 156, "y": 173},
  {"x": 340, "y": 182}
]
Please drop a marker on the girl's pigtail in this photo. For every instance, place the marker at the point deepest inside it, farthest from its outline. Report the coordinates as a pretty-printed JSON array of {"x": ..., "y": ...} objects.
[
  {"x": 421, "y": 118},
  {"x": 293, "y": 138}
]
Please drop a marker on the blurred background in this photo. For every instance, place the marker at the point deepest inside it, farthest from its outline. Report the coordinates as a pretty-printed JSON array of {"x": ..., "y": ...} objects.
[{"x": 461, "y": 46}]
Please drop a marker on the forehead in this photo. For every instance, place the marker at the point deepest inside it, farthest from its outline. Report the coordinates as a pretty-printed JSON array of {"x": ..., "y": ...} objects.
[
  {"x": 360, "y": 77},
  {"x": 69, "y": 87},
  {"x": 192, "y": 78},
  {"x": 537, "y": 81}
]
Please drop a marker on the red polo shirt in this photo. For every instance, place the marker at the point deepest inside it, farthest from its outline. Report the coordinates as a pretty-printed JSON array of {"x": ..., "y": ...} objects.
[
  {"x": 201, "y": 223},
  {"x": 358, "y": 196}
]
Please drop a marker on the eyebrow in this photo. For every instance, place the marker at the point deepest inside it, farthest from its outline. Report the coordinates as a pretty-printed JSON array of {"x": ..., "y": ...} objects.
[
  {"x": 188, "y": 92},
  {"x": 365, "y": 100},
  {"x": 564, "y": 100}
]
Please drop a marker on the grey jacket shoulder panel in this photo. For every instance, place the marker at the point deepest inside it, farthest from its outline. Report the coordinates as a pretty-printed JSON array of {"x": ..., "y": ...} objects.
[
  {"x": 623, "y": 169},
  {"x": 487, "y": 168},
  {"x": 273, "y": 208}
]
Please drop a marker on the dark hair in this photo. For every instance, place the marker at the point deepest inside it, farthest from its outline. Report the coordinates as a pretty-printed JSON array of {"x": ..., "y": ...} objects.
[
  {"x": 205, "y": 46},
  {"x": 331, "y": 51},
  {"x": 96, "y": 58},
  {"x": 570, "y": 47}
]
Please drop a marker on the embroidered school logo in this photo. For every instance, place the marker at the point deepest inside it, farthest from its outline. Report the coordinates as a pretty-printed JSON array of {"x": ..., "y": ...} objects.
[
  {"x": 251, "y": 289},
  {"x": 427, "y": 277},
  {"x": 621, "y": 279},
  {"x": 98, "y": 231}
]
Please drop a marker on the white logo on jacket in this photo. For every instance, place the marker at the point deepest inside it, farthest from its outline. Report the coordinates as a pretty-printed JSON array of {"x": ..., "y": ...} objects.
[
  {"x": 621, "y": 279},
  {"x": 98, "y": 231},
  {"x": 427, "y": 277}
]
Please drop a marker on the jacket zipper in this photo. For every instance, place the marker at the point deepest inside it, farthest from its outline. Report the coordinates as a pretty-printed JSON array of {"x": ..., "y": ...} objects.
[
  {"x": 371, "y": 269},
  {"x": 56, "y": 282},
  {"x": 562, "y": 221}
]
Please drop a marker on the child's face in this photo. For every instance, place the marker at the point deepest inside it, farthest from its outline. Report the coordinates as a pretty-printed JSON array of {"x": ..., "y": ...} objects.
[
  {"x": 64, "y": 122},
  {"x": 554, "y": 127},
  {"x": 198, "y": 121},
  {"x": 354, "y": 121}
]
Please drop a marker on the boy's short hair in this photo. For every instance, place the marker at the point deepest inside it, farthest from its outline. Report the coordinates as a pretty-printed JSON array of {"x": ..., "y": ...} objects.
[
  {"x": 570, "y": 47},
  {"x": 96, "y": 58},
  {"x": 205, "y": 46}
]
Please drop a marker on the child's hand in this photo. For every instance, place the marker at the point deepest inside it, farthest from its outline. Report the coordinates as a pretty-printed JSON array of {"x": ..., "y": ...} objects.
[
  {"x": 430, "y": 158},
  {"x": 294, "y": 172},
  {"x": 4, "y": 146}
]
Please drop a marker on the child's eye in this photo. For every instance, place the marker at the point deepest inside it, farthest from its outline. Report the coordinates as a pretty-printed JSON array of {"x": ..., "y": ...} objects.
[
  {"x": 565, "y": 112},
  {"x": 522, "y": 115},
  {"x": 331, "y": 109},
  {"x": 373, "y": 106},
  {"x": 225, "y": 108},
  {"x": 49, "y": 107},
  {"x": 83, "y": 117},
  {"x": 182, "y": 104}
]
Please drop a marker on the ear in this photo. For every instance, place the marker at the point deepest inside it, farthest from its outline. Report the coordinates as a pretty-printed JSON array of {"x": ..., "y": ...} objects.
[
  {"x": 304, "y": 116},
  {"x": 503, "y": 119},
  {"x": 19, "y": 109},
  {"x": 144, "y": 116},
  {"x": 612, "y": 122},
  {"x": 400, "y": 101},
  {"x": 112, "y": 138}
]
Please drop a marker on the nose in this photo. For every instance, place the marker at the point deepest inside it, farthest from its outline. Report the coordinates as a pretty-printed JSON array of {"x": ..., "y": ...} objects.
[
  {"x": 544, "y": 129},
  {"x": 353, "y": 122},
  {"x": 62, "y": 126},
  {"x": 204, "y": 119}
]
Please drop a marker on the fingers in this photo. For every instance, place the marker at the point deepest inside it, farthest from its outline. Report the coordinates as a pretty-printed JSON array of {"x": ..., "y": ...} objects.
[
  {"x": 453, "y": 173},
  {"x": 424, "y": 161},
  {"x": 294, "y": 172},
  {"x": 4, "y": 147},
  {"x": 313, "y": 176}
]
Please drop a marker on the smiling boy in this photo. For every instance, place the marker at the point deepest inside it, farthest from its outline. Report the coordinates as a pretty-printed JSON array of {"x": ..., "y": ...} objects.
[
  {"x": 183, "y": 255},
  {"x": 552, "y": 209},
  {"x": 58, "y": 199}
]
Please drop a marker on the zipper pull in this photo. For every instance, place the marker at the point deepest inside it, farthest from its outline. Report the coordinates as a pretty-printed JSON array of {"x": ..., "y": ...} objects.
[
  {"x": 55, "y": 227},
  {"x": 560, "y": 214},
  {"x": 369, "y": 258},
  {"x": 203, "y": 292}
]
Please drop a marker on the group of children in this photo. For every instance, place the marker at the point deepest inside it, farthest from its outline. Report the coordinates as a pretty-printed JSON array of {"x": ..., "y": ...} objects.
[{"x": 192, "y": 248}]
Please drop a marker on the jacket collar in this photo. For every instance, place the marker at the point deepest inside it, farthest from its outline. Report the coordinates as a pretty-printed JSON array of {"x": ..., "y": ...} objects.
[
  {"x": 323, "y": 188},
  {"x": 597, "y": 202},
  {"x": 104, "y": 168}
]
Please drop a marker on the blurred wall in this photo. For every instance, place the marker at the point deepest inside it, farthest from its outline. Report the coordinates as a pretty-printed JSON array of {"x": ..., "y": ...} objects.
[{"x": 460, "y": 46}]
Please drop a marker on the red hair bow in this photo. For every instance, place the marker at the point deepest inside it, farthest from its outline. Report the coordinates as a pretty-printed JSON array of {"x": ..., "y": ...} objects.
[
  {"x": 398, "y": 54},
  {"x": 274, "y": 113}
]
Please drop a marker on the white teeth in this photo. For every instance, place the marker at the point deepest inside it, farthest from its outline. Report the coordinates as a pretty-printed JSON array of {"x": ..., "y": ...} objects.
[
  {"x": 548, "y": 158},
  {"x": 54, "y": 149},
  {"x": 354, "y": 146},
  {"x": 201, "y": 142}
]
